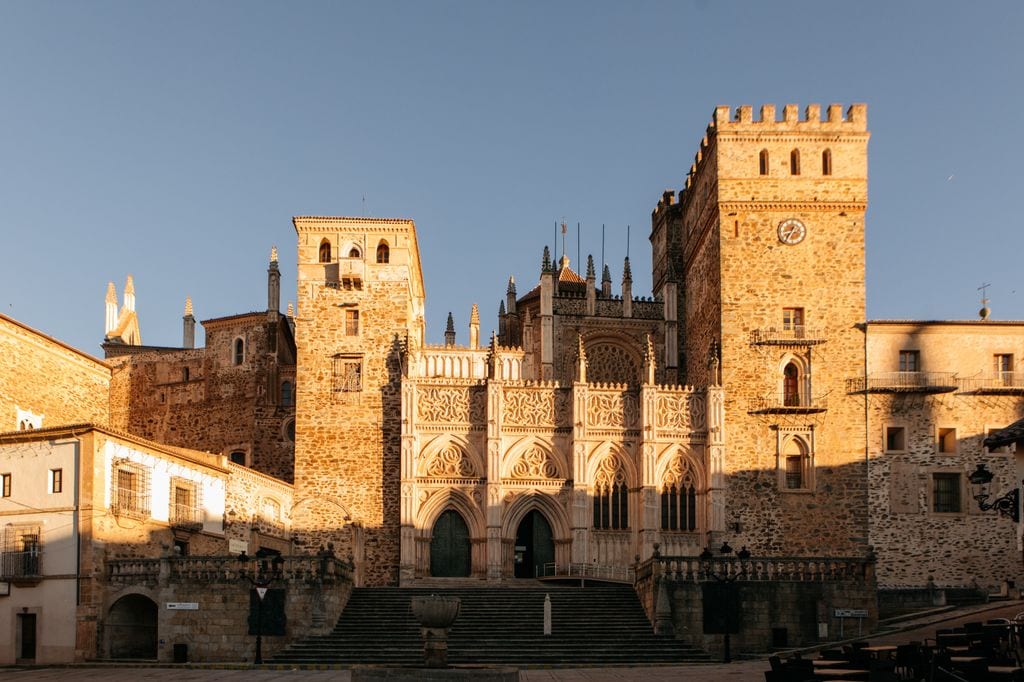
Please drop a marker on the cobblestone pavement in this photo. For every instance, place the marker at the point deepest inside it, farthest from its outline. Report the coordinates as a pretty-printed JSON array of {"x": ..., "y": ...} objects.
[{"x": 918, "y": 629}]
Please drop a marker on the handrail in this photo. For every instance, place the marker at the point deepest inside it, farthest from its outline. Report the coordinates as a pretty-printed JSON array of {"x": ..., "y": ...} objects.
[
  {"x": 904, "y": 381},
  {"x": 619, "y": 574}
]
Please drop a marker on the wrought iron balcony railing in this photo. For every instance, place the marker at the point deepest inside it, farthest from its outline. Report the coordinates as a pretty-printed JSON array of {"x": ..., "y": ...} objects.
[
  {"x": 790, "y": 405},
  {"x": 794, "y": 335},
  {"x": 998, "y": 382},
  {"x": 21, "y": 564},
  {"x": 186, "y": 516},
  {"x": 904, "y": 382}
]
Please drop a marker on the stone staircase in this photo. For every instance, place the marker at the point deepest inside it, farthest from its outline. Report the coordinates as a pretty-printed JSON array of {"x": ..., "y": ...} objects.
[{"x": 595, "y": 625}]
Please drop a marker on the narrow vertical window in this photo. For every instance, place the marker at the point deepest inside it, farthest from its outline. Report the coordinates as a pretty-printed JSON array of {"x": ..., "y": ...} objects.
[
  {"x": 6, "y": 485},
  {"x": 325, "y": 251},
  {"x": 287, "y": 398},
  {"x": 56, "y": 480},
  {"x": 351, "y": 323},
  {"x": 184, "y": 374},
  {"x": 946, "y": 493},
  {"x": 239, "y": 353},
  {"x": 826, "y": 162},
  {"x": 910, "y": 361},
  {"x": 1004, "y": 365},
  {"x": 791, "y": 386},
  {"x": 794, "y": 162},
  {"x": 763, "y": 162},
  {"x": 383, "y": 253}
]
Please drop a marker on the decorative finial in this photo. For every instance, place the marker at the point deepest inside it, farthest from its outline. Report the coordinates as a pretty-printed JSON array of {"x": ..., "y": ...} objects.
[
  {"x": 627, "y": 274},
  {"x": 713, "y": 363},
  {"x": 450, "y": 328},
  {"x": 985, "y": 310},
  {"x": 581, "y": 360},
  {"x": 511, "y": 285},
  {"x": 545, "y": 265},
  {"x": 590, "y": 267},
  {"x": 474, "y": 315},
  {"x": 111, "y": 293},
  {"x": 606, "y": 276},
  {"x": 501, "y": 309},
  {"x": 188, "y": 306},
  {"x": 129, "y": 285},
  {"x": 291, "y": 309},
  {"x": 273, "y": 254}
]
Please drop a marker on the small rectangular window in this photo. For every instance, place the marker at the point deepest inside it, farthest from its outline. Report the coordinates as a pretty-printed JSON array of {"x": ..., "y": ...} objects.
[
  {"x": 794, "y": 472},
  {"x": 895, "y": 439},
  {"x": 1003, "y": 363},
  {"x": 351, "y": 323},
  {"x": 792, "y": 319},
  {"x": 7, "y": 485},
  {"x": 910, "y": 361},
  {"x": 947, "y": 441},
  {"x": 56, "y": 480},
  {"x": 946, "y": 493}
]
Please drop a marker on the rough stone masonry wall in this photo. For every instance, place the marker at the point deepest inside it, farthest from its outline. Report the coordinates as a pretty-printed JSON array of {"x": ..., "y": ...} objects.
[
  {"x": 348, "y": 443},
  {"x": 47, "y": 378},
  {"x": 219, "y": 408},
  {"x": 914, "y": 543}
]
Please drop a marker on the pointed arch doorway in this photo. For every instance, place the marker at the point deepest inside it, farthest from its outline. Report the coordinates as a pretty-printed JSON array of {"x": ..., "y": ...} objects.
[
  {"x": 535, "y": 545},
  {"x": 449, "y": 546}
]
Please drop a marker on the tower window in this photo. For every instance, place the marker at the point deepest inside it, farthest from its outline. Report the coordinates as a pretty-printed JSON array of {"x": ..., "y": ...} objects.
[
  {"x": 325, "y": 251},
  {"x": 6, "y": 478},
  {"x": 946, "y": 493},
  {"x": 56, "y": 480},
  {"x": 352, "y": 322},
  {"x": 792, "y": 319},
  {"x": 239, "y": 351},
  {"x": 237, "y": 457},
  {"x": 791, "y": 386},
  {"x": 795, "y": 464},
  {"x": 354, "y": 253},
  {"x": 1003, "y": 363},
  {"x": 763, "y": 162},
  {"x": 287, "y": 398},
  {"x": 348, "y": 373},
  {"x": 184, "y": 374},
  {"x": 383, "y": 253},
  {"x": 794, "y": 162},
  {"x": 826, "y": 162},
  {"x": 947, "y": 441},
  {"x": 895, "y": 439}
]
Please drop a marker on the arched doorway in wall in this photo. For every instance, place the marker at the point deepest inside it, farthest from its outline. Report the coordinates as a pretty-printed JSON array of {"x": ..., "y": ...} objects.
[
  {"x": 131, "y": 628},
  {"x": 535, "y": 545},
  {"x": 449, "y": 546}
]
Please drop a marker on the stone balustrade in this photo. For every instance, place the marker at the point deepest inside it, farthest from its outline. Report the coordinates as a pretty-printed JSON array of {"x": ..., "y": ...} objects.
[
  {"x": 220, "y": 569},
  {"x": 798, "y": 569}
]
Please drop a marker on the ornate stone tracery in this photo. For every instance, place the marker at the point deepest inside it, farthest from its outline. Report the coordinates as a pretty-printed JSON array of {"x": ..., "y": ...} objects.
[
  {"x": 611, "y": 364},
  {"x": 450, "y": 461},
  {"x": 616, "y": 410},
  {"x": 534, "y": 464},
  {"x": 443, "y": 405}
]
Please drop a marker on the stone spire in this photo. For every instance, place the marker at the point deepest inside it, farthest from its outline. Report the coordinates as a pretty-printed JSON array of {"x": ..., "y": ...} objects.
[
  {"x": 606, "y": 282},
  {"x": 449, "y": 332},
  {"x": 545, "y": 265},
  {"x": 591, "y": 291},
  {"x": 627, "y": 290},
  {"x": 111, "y": 309},
  {"x": 590, "y": 268},
  {"x": 510, "y": 295},
  {"x": 649, "y": 362},
  {"x": 474, "y": 327},
  {"x": 273, "y": 286},
  {"x": 188, "y": 322},
  {"x": 129, "y": 294}
]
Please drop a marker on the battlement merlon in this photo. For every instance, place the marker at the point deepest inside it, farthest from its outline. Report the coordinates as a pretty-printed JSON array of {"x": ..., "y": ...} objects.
[{"x": 855, "y": 120}]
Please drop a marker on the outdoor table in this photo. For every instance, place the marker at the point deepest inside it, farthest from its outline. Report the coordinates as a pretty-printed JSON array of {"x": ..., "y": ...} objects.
[
  {"x": 829, "y": 663},
  {"x": 880, "y": 651},
  {"x": 842, "y": 674}
]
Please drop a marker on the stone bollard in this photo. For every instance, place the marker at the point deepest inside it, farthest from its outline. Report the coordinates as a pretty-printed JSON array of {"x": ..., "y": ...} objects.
[{"x": 547, "y": 614}]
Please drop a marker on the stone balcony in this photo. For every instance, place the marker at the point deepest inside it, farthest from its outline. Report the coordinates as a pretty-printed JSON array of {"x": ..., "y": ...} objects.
[
  {"x": 999, "y": 383},
  {"x": 777, "y": 405}
]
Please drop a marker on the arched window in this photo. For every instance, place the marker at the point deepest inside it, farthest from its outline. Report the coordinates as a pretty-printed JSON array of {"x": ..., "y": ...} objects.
[
  {"x": 791, "y": 385},
  {"x": 796, "y": 461},
  {"x": 679, "y": 500},
  {"x": 794, "y": 162},
  {"x": 289, "y": 430},
  {"x": 239, "y": 351},
  {"x": 286, "y": 393},
  {"x": 826, "y": 162},
  {"x": 325, "y": 251},
  {"x": 383, "y": 253},
  {"x": 354, "y": 252},
  {"x": 763, "y": 162},
  {"x": 611, "y": 497}
]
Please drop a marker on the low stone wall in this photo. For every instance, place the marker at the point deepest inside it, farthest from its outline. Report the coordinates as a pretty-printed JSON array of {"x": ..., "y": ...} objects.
[
  {"x": 780, "y": 602},
  {"x": 215, "y": 629}
]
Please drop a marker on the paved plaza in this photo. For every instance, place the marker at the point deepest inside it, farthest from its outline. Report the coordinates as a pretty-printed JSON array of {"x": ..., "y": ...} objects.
[{"x": 918, "y": 629}]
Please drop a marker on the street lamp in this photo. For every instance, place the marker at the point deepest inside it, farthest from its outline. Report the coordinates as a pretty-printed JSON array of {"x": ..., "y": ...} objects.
[
  {"x": 261, "y": 582},
  {"x": 1008, "y": 504}
]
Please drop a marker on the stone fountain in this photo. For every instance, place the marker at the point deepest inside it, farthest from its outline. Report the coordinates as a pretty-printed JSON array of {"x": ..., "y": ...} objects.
[{"x": 435, "y": 615}]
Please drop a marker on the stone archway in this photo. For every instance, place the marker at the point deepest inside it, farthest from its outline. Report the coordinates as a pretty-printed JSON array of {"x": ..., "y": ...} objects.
[{"x": 131, "y": 628}]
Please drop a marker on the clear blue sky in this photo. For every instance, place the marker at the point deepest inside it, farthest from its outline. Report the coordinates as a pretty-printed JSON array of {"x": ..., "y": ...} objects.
[{"x": 175, "y": 140}]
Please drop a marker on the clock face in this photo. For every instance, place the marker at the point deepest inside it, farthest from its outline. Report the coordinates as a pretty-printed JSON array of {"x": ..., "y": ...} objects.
[{"x": 792, "y": 231}]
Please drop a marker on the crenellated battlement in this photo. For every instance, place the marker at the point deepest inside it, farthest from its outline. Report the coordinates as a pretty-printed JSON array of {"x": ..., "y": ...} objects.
[{"x": 724, "y": 118}]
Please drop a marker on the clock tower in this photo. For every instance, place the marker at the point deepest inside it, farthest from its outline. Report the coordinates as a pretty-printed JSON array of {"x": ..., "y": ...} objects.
[{"x": 766, "y": 243}]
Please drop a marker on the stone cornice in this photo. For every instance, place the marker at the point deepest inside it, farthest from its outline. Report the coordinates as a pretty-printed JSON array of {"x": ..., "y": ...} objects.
[{"x": 793, "y": 205}]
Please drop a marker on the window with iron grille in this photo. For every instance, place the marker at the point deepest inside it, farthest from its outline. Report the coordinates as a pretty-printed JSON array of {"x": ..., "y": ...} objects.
[
  {"x": 22, "y": 552},
  {"x": 130, "y": 490},
  {"x": 946, "y": 493},
  {"x": 348, "y": 373},
  {"x": 184, "y": 509}
]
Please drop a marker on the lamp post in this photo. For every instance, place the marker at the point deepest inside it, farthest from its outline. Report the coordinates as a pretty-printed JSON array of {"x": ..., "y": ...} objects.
[
  {"x": 1007, "y": 504},
  {"x": 261, "y": 582},
  {"x": 725, "y": 612}
]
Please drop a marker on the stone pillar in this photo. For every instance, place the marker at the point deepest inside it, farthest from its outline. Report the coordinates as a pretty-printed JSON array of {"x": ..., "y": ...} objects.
[
  {"x": 716, "y": 458},
  {"x": 494, "y": 502}
]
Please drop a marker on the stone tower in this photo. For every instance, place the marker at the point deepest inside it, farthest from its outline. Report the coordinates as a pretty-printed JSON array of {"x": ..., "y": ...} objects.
[
  {"x": 360, "y": 306},
  {"x": 766, "y": 244}
]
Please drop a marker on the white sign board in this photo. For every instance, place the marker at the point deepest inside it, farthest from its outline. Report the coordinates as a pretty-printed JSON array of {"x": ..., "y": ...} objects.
[
  {"x": 237, "y": 546},
  {"x": 183, "y": 605},
  {"x": 851, "y": 613},
  {"x": 262, "y": 591}
]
